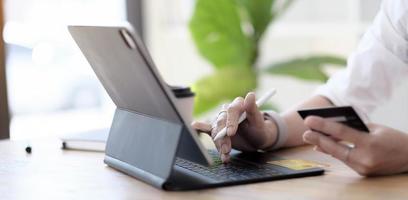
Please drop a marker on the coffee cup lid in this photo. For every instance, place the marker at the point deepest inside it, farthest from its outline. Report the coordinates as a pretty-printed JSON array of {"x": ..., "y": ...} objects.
[{"x": 180, "y": 91}]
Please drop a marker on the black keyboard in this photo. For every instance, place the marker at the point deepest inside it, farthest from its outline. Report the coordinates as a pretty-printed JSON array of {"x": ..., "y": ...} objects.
[{"x": 233, "y": 171}]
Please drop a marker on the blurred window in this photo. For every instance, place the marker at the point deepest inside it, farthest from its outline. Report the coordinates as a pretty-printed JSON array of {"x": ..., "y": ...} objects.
[{"x": 52, "y": 89}]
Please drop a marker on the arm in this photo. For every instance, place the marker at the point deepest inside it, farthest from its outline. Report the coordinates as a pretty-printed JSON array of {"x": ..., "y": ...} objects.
[
  {"x": 374, "y": 70},
  {"x": 296, "y": 127},
  {"x": 383, "y": 151},
  {"x": 256, "y": 132}
]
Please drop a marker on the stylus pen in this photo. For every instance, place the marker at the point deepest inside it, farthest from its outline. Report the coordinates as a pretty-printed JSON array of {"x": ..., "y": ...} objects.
[{"x": 243, "y": 116}]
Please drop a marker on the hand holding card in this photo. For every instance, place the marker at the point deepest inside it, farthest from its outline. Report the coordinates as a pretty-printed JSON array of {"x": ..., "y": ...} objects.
[{"x": 345, "y": 115}]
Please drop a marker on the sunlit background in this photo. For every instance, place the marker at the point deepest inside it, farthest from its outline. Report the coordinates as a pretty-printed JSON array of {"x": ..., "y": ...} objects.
[{"x": 53, "y": 91}]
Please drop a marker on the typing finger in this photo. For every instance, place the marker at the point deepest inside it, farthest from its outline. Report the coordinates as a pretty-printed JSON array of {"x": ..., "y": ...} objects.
[
  {"x": 234, "y": 111},
  {"x": 217, "y": 127},
  {"x": 225, "y": 158},
  {"x": 225, "y": 149},
  {"x": 225, "y": 143}
]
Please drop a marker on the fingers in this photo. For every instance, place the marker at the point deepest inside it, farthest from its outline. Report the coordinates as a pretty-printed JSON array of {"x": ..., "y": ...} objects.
[
  {"x": 225, "y": 149},
  {"x": 234, "y": 111},
  {"x": 351, "y": 157},
  {"x": 327, "y": 145},
  {"x": 223, "y": 145},
  {"x": 334, "y": 129},
  {"x": 254, "y": 116},
  {"x": 202, "y": 127},
  {"x": 218, "y": 125}
]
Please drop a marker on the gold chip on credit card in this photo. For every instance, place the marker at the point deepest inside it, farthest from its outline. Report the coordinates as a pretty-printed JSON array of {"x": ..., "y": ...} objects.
[{"x": 297, "y": 164}]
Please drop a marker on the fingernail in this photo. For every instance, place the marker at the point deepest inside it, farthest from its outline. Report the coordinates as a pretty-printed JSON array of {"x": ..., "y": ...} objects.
[
  {"x": 224, "y": 148},
  {"x": 225, "y": 158}
]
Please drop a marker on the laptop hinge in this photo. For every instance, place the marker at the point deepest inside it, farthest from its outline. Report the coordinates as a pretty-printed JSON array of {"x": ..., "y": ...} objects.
[{"x": 184, "y": 179}]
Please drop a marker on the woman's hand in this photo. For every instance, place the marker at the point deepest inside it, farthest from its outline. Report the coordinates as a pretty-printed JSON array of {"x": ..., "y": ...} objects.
[
  {"x": 252, "y": 134},
  {"x": 383, "y": 151}
]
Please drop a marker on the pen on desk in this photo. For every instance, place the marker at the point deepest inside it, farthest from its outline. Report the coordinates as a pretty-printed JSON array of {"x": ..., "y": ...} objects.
[{"x": 243, "y": 116}]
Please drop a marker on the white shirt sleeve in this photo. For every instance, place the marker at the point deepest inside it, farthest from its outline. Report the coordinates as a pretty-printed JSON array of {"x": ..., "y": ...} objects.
[{"x": 379, "y": 64}]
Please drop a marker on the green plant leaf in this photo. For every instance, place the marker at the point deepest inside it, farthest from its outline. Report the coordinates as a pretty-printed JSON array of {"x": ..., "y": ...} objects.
[
  {"x": 258, "y": 13},
  {"x": 309, "y": 68},
  {"x": 223, "y": 85},
  {"x": 217, "y": 33}
]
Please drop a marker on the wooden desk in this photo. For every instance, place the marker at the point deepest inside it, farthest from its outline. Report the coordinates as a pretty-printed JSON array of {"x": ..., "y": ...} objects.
[{"x": 51, "y": 173}]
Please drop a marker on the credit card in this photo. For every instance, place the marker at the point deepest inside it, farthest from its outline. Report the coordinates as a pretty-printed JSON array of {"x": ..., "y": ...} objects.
[
  {"x": 297, "y": 164},
  {"x": 344, "y": 114}
]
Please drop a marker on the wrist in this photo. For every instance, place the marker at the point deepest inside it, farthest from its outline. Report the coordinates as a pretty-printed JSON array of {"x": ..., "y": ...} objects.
[
  {"x": 271, "y": 132},
  {"x": 279, "y": 130}
]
